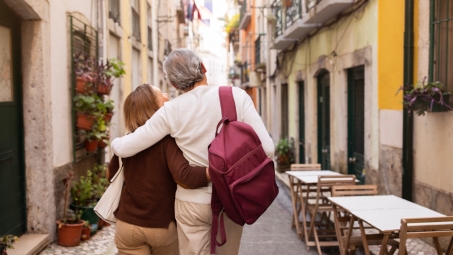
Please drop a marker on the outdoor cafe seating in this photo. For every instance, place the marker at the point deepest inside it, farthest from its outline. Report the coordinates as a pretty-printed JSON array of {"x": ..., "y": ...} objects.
[{"x": 331, "y": 209}]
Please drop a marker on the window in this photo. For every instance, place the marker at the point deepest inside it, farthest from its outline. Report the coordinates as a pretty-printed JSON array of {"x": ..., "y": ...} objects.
[
  {"x": 136, "y": 19},
  {"x": 441, "y": 54},
  {"x": 114, "y": 10},
  {"x": 150, "y": 31}
]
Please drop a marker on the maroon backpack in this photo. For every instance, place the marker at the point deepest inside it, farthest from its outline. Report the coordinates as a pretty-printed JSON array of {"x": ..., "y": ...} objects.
[{"x": 243, "y": 177}]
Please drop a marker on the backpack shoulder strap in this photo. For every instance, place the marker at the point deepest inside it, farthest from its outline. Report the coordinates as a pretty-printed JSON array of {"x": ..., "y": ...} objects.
[{"x": 227, "y": 103}]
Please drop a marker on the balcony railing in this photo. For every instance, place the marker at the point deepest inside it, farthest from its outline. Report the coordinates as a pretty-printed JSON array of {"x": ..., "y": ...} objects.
[
  {"x": 311, "y": 3},
  {"x": 277, "y": 9},
  {"x": 293, "y": 12},
  {"x": 114, "y": 10}
]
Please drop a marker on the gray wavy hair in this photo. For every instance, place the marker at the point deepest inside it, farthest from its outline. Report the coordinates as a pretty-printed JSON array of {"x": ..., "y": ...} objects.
[{"x": 183, "y": 68}]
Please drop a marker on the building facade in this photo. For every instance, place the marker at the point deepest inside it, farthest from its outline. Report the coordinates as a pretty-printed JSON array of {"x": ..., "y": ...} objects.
[{"x": 38, "y": 42}]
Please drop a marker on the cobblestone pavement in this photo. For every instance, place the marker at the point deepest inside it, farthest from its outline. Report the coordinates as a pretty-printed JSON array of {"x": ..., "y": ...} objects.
[{"x": 98, "y": 244}]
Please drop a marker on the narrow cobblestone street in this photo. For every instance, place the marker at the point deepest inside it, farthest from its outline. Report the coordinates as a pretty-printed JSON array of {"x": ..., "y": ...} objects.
[{"x": 270, "y": 235}]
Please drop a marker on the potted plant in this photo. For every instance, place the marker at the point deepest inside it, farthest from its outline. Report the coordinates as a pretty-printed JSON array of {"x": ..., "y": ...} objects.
[
  {"x": 83, "y": 200},
  {"x": 6, "y": 242},
  {"x": 426, "y": 96},
  {"x": 86, "y": 108},
  {"x": 104, "y": 141},
  {"x": 84, "y": 73},
  {"x": 70, "y": 226},
  {"x": 113, "y": 68},
  {"x": 284, "y": 153},
  {"x": 106, "y": 109},
  {"x": 86, "y": 231}
]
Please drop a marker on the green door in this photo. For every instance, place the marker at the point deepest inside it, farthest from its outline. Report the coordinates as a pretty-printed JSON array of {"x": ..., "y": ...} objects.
[
  {"x": 356, "y": 122},
  {"x": 301, "y": 122},
  {"x": 12, "y": 177},
  {"x": 324, "y": 119}
]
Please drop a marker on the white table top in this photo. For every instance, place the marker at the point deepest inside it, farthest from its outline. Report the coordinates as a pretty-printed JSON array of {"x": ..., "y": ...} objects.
[
  {"x": 311, "y": 173},
  {"x": 383, "y": 212},
  {"x": 352, "y": 203}
]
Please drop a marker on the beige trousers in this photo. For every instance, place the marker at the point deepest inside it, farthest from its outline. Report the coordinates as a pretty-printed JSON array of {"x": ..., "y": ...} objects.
[
  {"x": 134, "y": 240},
  {"x": 194, "y": 230}
]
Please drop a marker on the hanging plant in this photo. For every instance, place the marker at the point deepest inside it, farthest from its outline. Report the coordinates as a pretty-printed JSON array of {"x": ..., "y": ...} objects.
[{"x": 426, "y": 97}]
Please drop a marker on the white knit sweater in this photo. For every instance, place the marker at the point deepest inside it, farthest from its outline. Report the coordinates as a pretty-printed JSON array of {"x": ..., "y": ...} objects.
[{"x": 191, "y": 119}]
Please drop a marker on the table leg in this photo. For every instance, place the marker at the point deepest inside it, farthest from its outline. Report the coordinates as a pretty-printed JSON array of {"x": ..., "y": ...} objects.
[
  {"x": 343, "y": 249},
  {"x": 294, "y": 201},
  {"x": 364, "y": 240},
  {"x": 303, "y": 199},
  {"x": 384, "y": 250},
  {"x": 351, "y": 225}
]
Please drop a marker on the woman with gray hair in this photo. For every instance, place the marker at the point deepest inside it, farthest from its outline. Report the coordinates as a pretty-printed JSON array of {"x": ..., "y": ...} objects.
[{"x": 191, "y": 119}]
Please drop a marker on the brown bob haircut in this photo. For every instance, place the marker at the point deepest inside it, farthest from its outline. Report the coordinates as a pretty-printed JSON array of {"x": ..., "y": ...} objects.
[{"x": 139, "y": 106}]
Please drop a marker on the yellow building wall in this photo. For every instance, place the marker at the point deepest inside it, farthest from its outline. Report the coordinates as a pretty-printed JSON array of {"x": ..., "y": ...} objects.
[
  {"x": 127, "y": 46},
  {"x": 390, "y": 53},
  {"x": 126, "y": 25},
  {"x": 352, "y": 33}
]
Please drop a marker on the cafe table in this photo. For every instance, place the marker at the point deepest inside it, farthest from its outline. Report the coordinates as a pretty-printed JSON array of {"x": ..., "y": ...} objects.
[
  {"x": 382, "y": 212},
  {"x": 306, "y": 183}
]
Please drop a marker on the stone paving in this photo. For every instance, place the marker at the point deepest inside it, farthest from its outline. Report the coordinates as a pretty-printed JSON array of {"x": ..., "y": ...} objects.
[{"x": 98, "y": 244}]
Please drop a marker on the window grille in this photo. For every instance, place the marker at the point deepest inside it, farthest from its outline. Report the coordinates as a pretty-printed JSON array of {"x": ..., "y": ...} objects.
[
  {"x": 136, "y": 19},
  {"x": 114, "y": 10},
  {"x": 441, "y": 52},
  {"x": 84, "y": 40}
]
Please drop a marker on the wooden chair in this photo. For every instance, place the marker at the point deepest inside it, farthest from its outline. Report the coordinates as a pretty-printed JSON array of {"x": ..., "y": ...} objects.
[
  {"x": 321, "y": 207},
  {"x": 427, "y": 227},
  {"x": 344, "y": 223},
  {"x": 297, "y": 191}
]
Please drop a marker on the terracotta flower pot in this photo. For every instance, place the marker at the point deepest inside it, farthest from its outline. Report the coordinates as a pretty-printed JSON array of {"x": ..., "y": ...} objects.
[
  {"x": 108, "y": 117},
  {"x": 102, "y": 143},
  {"x": 82, "y": 86},
  {"x": 103, "y": 89},
  {"x": 84, "y": 121},
  {"x": 69, "y": 234},
  {"x": 100, "y": 223},
  {"x": 91, "y": 146},
  {"x": 86, "y": 233}
]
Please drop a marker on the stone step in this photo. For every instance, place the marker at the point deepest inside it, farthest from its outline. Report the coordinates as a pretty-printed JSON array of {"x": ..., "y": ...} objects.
[{"x": 30, "y": 244}]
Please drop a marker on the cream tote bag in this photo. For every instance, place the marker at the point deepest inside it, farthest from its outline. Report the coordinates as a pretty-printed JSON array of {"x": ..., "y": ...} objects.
[{"x": 111, "y": 198}]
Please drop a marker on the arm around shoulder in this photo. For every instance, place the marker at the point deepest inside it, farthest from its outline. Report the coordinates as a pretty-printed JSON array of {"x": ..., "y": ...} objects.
[{"x": 143, "y": 137}]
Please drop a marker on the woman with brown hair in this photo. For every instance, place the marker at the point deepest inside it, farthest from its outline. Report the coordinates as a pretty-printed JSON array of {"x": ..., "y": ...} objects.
[{"x": 146, "y": 212}]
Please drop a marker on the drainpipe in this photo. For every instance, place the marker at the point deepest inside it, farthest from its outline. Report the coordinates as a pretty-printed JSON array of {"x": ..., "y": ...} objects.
[{"x": 408, "y": 119}]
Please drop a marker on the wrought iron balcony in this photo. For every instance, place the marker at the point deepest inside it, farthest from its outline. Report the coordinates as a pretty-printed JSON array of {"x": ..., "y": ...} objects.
[
  {"x": 245, "y": 15},
  {"x": 114, "y": 10},
  {"x": 293, "y": 12},
  {"x": 277, "y": 9},
  {"x": 325, "y": 10}
]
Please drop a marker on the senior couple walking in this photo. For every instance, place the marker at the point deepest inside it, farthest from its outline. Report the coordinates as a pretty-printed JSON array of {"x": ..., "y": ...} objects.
[{"x": 165, "y": 159}]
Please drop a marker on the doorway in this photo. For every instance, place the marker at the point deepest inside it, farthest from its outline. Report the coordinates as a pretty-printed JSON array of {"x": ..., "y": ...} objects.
[
  {"x": 301, "y": 122},
  {"x": 12, "y": 174},
  {"x": 324, "y": 119},
  {"x": 356, "y": 122}
]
